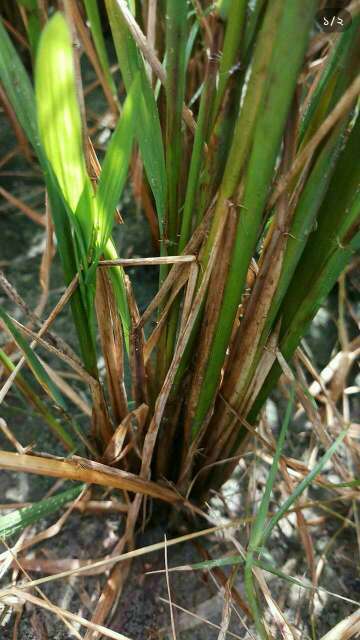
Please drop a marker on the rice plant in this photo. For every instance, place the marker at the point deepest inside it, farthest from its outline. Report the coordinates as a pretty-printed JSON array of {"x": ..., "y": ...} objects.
[{"x": 236, "y": 127}]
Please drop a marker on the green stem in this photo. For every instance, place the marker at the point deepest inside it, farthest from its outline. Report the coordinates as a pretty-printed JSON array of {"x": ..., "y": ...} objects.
[
  {"x": 197, "y": 157},
  {"x": 232, "y": 47},
  {"x": 280, "y": 82},
  {"x": 252, "y": 596},
  {"x": 176, "y": 28},
  {"x": 175, "y": 91}
]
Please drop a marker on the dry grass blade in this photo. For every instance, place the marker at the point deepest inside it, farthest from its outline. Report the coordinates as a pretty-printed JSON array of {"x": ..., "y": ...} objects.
[
  {"x": 143, "y": 262},
  {"x": 342, "y": 107},
  {"x": 172, "y": 278},
  {"x": 335, "y": 371},
  {"x": 27, "y": 597},
  {"x": 54, "y": 566},
  {"x": 10, "y": 436},
  {"x": 102, "y": 506},
  {"x": 217, "y": 285},
  {"x": 255, "y": 191},
  {"x": 139, "y": 377},
  {"x": 8, "y": 556},
  {"x": 346, "y": 629},
  {"x": 109, "y": 597},
  {"x": 37, "y": 338},
  {"x": 189, "y": 295},
  {"x": 43, "y": 598},
  {"x": 33, "y": 215},
  {"x": 20, "y": 136},
  {"x": 151, "y": 435},
  {"x": 192, "y": 247},
  {"x": 200, "y": 618},
  {"x": 83, "y": 470},
  {"x": 46, "y": 260},
  {"x": 114, "y": 449},
  {"x": 285, "y": 630},
  {"x": 112, "y": 344},
  {"x": 153, "y": 339},
  {"x": 267, "y": 360},
  {"x": 34, "y": 319},
  {"x": 226, "y": 612},
  {"x": 82, "y": 567},
  {"x": 67, "y": 390},
  {"x": 172, "y": 617}
]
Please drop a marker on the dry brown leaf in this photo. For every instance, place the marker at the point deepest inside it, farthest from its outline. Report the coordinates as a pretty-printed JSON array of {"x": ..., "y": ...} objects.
[
  {"x": 346, "y": 629},
  {"x": 84, "y": 470}
]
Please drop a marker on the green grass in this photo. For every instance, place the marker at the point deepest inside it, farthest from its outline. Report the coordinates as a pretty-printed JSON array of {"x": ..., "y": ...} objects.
[
  {"x": 237, "y": 182},
  {"x": 269, "y": 129}
]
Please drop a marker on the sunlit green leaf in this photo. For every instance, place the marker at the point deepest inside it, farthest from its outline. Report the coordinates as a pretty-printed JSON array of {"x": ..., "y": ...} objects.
[
  {"x": 21, "y": 95},
  {"x": 115, "y": 166},
  {"x": 60, "y": 123}
]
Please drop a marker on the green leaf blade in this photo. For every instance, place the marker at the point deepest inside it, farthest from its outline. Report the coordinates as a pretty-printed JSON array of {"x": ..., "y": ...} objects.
[
  {"x": 59, "y": 120},
  {"x": 33, "y": 361},
  {"x": 148, "y": 131},
  {"x": 115, "y": 167},
  {"x": 14, "y": 522}
]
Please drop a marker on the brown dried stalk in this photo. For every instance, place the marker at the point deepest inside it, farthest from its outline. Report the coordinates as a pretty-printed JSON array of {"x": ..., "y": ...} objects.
[
  {"x": 114, "y": 451},
  {"x": 33, "y": 215},
  {"x": 83, "y": 470},
  {"x": 20, "y": 135},
  {"x": 213, "y": 304},
  {"x": 46, "y": 259},
  {"x": 137, "y": 357},
  {"x": 245, "y": 345},
  {"x": 111, "y": 344},
  {"x": 342, "y": 107},
  {"x": 143, "y": 262}
]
